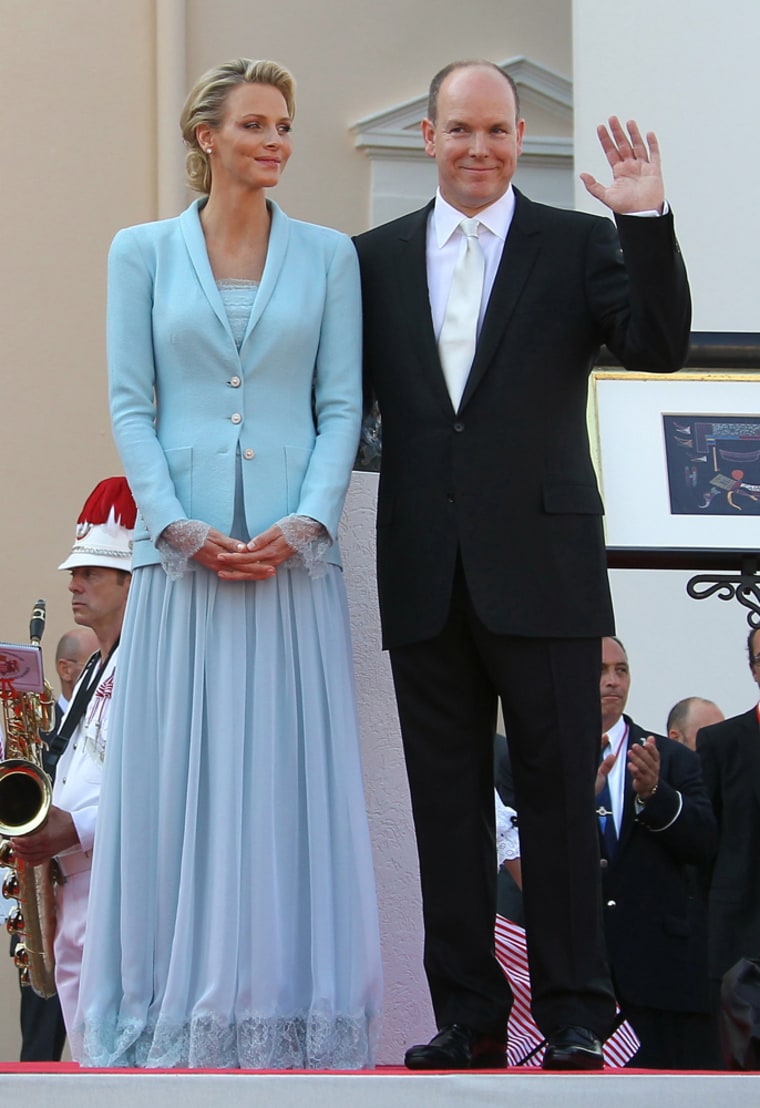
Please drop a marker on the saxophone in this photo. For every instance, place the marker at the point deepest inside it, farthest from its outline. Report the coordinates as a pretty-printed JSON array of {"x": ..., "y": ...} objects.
[{"x": 26, "y": 794}]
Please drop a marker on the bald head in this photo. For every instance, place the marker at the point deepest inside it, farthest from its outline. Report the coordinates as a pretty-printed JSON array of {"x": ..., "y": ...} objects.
[
  {"x": 688, "y": 716},
  {"x": 73, "y": 650}
]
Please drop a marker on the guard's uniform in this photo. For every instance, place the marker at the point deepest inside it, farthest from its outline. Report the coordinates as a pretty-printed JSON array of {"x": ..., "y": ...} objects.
[{"x": 77, "y": 790}]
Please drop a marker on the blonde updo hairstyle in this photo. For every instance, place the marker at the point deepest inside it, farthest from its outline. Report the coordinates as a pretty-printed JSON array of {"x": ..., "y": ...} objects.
[{"x": 206, "y": 104}]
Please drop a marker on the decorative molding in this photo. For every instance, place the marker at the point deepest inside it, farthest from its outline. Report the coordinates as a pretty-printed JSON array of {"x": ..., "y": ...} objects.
[{"x": 395, "y": 133}]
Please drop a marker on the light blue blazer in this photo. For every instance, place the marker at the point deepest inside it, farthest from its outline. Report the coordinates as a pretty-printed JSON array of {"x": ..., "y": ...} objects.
[{"x": 183, "y": 400}]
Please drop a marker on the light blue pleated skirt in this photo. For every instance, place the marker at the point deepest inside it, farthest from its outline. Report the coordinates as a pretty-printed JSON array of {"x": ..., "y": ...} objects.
[{"x": 233, "y": 919}]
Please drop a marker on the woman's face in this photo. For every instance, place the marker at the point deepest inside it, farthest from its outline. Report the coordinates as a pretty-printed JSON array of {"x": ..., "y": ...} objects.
[{"x": 252, "y": 146}]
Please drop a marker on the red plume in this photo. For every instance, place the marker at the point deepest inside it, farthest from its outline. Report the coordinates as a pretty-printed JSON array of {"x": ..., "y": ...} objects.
[{"x": 112, "y": 494}]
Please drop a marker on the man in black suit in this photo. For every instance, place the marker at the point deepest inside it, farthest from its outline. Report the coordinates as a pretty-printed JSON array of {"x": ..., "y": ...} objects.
[
  {"x": 491, "y": 561},
  {"x": 654, "y": 914},
  {"x": 730, "y": 754}
]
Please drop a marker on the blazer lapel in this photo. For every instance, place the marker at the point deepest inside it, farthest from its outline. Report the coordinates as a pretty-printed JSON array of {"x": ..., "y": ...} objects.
[
  {"x": 279, "y": 233},
  {"x": 411, "y": 277},
  {"x": 276, "y": 251},
  {"x": 195, "y": 242},
  {"x": 521, "y": 250}
]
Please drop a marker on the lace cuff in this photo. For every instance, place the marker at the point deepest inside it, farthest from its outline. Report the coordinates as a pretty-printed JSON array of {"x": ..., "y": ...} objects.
[
  {"x": 507, "y": 835},
  {"x": 177, "y": 543},
  {"x": 310, "y": 540}
]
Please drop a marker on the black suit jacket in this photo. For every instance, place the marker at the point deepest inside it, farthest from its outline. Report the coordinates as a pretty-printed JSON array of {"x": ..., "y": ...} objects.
[
  {"x": 730, "y": 754},
  {"x": 507, "y": 480},
  {"x": 655, "y": 919}
]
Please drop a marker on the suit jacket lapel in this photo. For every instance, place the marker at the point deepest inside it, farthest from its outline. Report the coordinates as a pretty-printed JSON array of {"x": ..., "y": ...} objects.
[
  {"x": 195, "y": 242},
  {"x": 518, "y": 258},
  {"x": 276, "y": 251},
  {"x": 415, "y": 299},
  {"x": 279, "y": 233},
  {"x": 520, "y": 253}
]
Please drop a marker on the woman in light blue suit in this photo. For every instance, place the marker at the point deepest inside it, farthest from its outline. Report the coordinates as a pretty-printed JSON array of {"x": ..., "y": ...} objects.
[{"x": 232, "y": 918}]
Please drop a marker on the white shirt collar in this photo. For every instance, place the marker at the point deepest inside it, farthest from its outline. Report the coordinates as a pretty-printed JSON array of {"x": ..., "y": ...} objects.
[
  {"x": 497, "y": 217},
  {"x": 616, "y": 732}
]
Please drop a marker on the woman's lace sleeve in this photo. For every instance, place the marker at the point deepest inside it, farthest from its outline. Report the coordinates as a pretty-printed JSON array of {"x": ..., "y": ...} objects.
[
  {"x": 178, "y": 542},
  {"x": 507, "y": 835},
  {"x": 310, "y": 540}
]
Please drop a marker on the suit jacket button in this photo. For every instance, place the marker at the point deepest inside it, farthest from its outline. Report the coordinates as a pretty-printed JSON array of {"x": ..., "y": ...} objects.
[
  {"x": 236, "y": 417},
  {"x": 235, "y": 382},
  {"x": 603, "y": 863},
  {"x": 450, "y": 497},
  {"x": 459, "y": 427},
  {"x": 248, "y": 454},
  {"x": 611, "y": 904}
]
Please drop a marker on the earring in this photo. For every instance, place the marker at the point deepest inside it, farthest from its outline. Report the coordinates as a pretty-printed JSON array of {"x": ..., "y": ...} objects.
[{"x": 208, "y": 150}]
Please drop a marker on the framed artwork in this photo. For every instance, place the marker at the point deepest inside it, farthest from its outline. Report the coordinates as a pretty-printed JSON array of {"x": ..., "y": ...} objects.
[{"x": 678, "y": 458}]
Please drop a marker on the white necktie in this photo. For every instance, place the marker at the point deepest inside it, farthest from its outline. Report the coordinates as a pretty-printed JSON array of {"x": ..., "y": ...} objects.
[{"x": 459, "y": 333}]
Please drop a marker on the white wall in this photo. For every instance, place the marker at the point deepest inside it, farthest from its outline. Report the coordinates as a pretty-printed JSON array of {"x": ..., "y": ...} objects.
[
  {"x": 686, "y": 69},
  {"x": 408, "y": 1015}
]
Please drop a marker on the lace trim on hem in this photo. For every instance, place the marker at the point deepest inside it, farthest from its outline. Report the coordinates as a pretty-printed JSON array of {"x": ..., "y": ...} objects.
[{"x": 298, "y": 1042}]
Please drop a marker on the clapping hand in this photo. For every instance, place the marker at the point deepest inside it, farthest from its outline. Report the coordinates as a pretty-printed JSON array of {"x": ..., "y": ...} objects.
[
  {"x": 602, "y": 772},
  {"x": 644, "y": 768}
]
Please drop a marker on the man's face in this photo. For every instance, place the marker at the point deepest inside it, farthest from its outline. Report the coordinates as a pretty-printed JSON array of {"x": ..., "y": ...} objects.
[
  {"x": 98, "y": 596},
  {"x": 476, "y": 139},
  {"x": 755, "y": 666},
  {"x": 615, "y": 682}
]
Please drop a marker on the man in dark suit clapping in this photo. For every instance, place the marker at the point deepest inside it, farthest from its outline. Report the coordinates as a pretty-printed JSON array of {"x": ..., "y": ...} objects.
[{"x": 658, "y": 832}]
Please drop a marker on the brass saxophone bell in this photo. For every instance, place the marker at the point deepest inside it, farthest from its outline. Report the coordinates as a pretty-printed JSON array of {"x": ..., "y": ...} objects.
[{"x": 26, "y": 794}]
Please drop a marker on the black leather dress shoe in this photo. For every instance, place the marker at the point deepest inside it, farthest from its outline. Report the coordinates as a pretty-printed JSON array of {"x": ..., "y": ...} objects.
[
  {"x": 573, "y": 1048},
  {"x": 457, "y": 1047}
]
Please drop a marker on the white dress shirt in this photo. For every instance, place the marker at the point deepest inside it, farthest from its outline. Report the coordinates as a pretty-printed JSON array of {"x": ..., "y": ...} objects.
[
  {"x": 445, "y": 241},
  {"x": 618, "y": 739}
]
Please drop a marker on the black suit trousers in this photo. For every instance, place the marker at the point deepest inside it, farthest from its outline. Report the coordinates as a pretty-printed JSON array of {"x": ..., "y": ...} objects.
[
  {"x": 43, "y": 1033},
  {"x": 447, "y": 690}
]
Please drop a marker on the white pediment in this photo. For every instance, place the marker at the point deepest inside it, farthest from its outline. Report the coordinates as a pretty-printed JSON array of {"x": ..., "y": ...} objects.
[{"x": 396, "y": 131}]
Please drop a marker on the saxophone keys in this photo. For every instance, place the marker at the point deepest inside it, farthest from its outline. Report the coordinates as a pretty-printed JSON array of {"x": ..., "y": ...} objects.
[
  {"x": 11, "y": 887},
  {"x": 14, "y": 922},
  {"x": 21, "y": 959}
]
